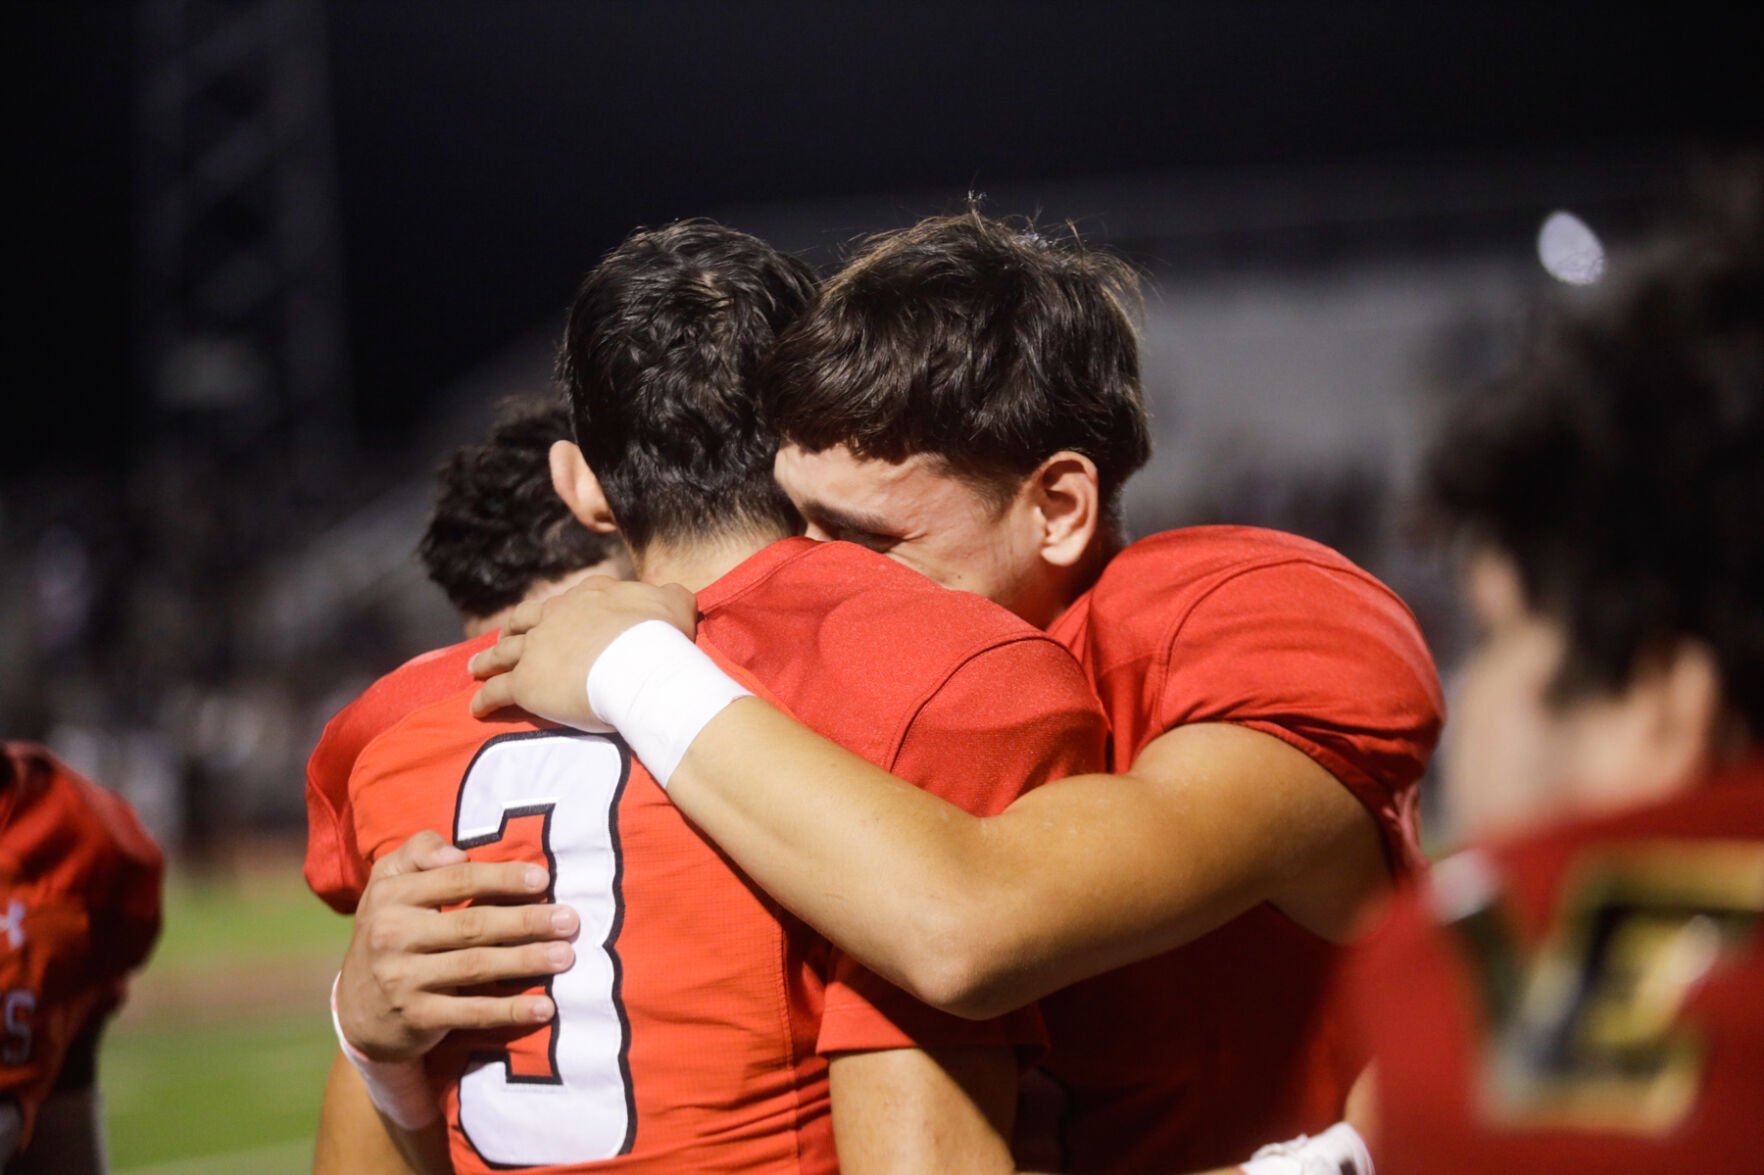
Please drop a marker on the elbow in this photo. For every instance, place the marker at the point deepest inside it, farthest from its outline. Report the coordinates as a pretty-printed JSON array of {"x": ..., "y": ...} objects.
[{"x": 965, "y": 967}]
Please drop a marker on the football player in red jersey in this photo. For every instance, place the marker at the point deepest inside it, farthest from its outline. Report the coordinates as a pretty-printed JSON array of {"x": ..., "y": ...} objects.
[
  {"x": 79, "y": 911},
  {"x": 1584, "y": 991},
  {"x": 964, "y": 397},
  {"x": 695, "y": 1025},
  {"x": 498, "y": 535}
]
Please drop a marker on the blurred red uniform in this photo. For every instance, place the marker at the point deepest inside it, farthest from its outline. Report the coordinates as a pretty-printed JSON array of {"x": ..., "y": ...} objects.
[
  {"x": 1195, "y": 1058},
  {"x": 79, "y": 910},
  {"x": 1590, "y": 998},
  {"x": 692, "y": 1031}
]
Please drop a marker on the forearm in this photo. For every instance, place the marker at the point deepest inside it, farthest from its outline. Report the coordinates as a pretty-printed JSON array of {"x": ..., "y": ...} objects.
[
  {"x": 968, "y": 914},
  {"x": 908, "y": 1110},
  {"x": 354, "y": 1137},
  {"x": 887, "y": 871}
]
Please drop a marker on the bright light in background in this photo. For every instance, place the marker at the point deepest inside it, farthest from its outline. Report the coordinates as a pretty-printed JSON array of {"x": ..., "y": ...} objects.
[{"x": 1569, "y": 250}]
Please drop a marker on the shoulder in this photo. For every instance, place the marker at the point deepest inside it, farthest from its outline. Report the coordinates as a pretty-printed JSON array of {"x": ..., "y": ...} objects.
[
  {"x": 423, "y": 679},
  {"x": 1180, "y": 568},
  {"x": 1713, "y": 830},
  {"x": 1245, "y": 587},
  {"x": 67, "y": 841},
  {"x": 856, "y": 644},
  {"x": 861, "y": 599},
  {"x": 81, "y": 832}
]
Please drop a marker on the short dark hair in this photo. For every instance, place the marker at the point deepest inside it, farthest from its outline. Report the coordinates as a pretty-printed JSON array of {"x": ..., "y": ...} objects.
[
  {"x": 1621, "y": 466},
  {"x": 979, "y": 341},
  {"x": 659, "y": 356},
  {"x": 498, "y": 528}
]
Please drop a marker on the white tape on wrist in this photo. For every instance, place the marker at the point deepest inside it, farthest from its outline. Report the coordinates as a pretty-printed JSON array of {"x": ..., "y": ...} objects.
[
  {"x": 400, "y": 1089},
  {"x": 1339, "y": 1150},
  {"x": 658, "y": 690}
]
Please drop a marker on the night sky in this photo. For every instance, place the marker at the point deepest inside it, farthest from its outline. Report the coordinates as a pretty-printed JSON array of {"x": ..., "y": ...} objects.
[{"x": 487, "y": 153}]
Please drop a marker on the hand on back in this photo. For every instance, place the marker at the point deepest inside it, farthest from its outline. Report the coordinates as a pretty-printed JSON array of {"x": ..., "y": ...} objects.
[
  {"x": 541, "y": 661},
  {"x": 397, "y": 994}
]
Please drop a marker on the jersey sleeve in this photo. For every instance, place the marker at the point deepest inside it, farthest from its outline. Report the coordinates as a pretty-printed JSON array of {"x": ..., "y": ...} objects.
[
  {"x": 1324, "y": 660},
  {"x": 1009, "y": 719},
  {"x": 126, "y": 917},
  {"x": 335, "y": 868}
]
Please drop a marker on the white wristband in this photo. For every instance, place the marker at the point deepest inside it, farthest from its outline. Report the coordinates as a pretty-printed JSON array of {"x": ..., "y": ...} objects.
[
  {"x": 400, "y": 1089},
  {"x": 1339, "y": 1150},
  {"x": 658, "y": 689}
]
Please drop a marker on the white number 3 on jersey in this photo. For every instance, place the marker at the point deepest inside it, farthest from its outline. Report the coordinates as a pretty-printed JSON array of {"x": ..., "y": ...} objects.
[{"x": 581, "y": 1109}]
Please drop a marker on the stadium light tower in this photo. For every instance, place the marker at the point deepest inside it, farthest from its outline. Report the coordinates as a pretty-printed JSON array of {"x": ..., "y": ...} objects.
[{"x": 241, "y": 299}]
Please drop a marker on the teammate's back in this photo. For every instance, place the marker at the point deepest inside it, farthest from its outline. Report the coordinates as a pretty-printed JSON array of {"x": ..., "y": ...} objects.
[{"x": 692, "y": 1030}]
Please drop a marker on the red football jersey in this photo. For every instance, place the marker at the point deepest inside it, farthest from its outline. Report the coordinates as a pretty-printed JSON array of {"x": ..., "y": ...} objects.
[
  {"x": 334, "y": 869},
  {"x": 1587, "y": 999},
  {"x": 79, "y": 910},
  {"x": 693, "y": 1029},
  {"x": 1195, "y": 1058}
]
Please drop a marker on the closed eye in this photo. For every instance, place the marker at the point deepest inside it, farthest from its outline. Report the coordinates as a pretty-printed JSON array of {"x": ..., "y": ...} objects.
[{"x": 836, "y": 526}]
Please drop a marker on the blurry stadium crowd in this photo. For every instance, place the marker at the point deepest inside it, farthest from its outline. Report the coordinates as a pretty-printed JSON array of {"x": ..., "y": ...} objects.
[{"x": 1110, "y": 859}]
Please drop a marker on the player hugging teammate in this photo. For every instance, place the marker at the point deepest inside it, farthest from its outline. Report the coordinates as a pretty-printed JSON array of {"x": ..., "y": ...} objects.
[{"x": 963, "y": 400}]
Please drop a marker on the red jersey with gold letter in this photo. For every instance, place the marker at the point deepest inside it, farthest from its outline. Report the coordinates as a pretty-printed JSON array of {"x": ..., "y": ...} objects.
[
  {"x": 1195, "y": 1058},
  {"x": 693, "y": 1029},
  {"x": 1590, "y": 998},
  {"x": 79, "y": 910}
]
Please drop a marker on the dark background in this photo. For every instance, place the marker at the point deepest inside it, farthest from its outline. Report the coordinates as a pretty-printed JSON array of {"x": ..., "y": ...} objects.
[
  {"x": 1335, "y": 205},
  {"x": 486, "y": 153}
]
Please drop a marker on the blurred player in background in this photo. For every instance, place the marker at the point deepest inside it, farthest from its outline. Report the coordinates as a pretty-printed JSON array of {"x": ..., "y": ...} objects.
[
  {"x": 498, "y": 535},
  {"x": 965, "y": 398},
  {"x": 79, "y": 910},
  {"x": 695, "y": 1026},
  {"x": 1591, "y": 997}
]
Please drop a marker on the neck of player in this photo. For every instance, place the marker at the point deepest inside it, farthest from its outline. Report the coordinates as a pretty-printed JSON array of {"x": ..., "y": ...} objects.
[{"x": 697, "y": 563}]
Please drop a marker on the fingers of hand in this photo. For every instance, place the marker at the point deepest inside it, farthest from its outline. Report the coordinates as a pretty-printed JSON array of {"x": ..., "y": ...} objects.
[
  {"x": 500, "y": 657},
  {"x": 436, "y": 1013},
  {"x": 473, "y": 879},
  {"x": 493, "y": 926},
  {"x": 494, "y": 695},
  {"x": 524, "y": 619},
  {"x": 467, "y": 968},
  {"x": 679, "y": 608},
  {"x": 424, "y": 850}
]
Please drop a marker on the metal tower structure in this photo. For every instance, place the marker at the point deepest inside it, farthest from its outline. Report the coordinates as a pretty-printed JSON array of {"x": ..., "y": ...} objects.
[{"x": 240, "y": 289}]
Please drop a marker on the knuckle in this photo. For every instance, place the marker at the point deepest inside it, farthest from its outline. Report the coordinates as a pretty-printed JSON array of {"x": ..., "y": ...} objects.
[
  {"x": 477, "y": 966},
  {"x": 388, "y": 974},
  {"x": 469, "y": 926}
]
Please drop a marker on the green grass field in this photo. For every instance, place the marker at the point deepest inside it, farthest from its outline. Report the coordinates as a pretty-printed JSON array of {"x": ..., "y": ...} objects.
[{"x": 218, "y": 1062}]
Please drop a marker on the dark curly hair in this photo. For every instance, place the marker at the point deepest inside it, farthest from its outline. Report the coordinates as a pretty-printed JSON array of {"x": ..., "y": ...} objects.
[
  {"x": 1621, "y": 466},
  {"x": 498, "y": 528},
  {"x": 979, "y": 341},
  {"x": 659, "y": 357}
]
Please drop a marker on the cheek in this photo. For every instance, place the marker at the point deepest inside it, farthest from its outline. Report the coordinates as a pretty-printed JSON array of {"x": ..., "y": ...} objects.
[{"x": 957, "y": 557}]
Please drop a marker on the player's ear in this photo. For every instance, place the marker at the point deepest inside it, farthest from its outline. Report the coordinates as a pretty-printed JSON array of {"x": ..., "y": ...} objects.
[
  {"x": 1067, "y": 497},
  {"x": 580, "y": 490}
]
